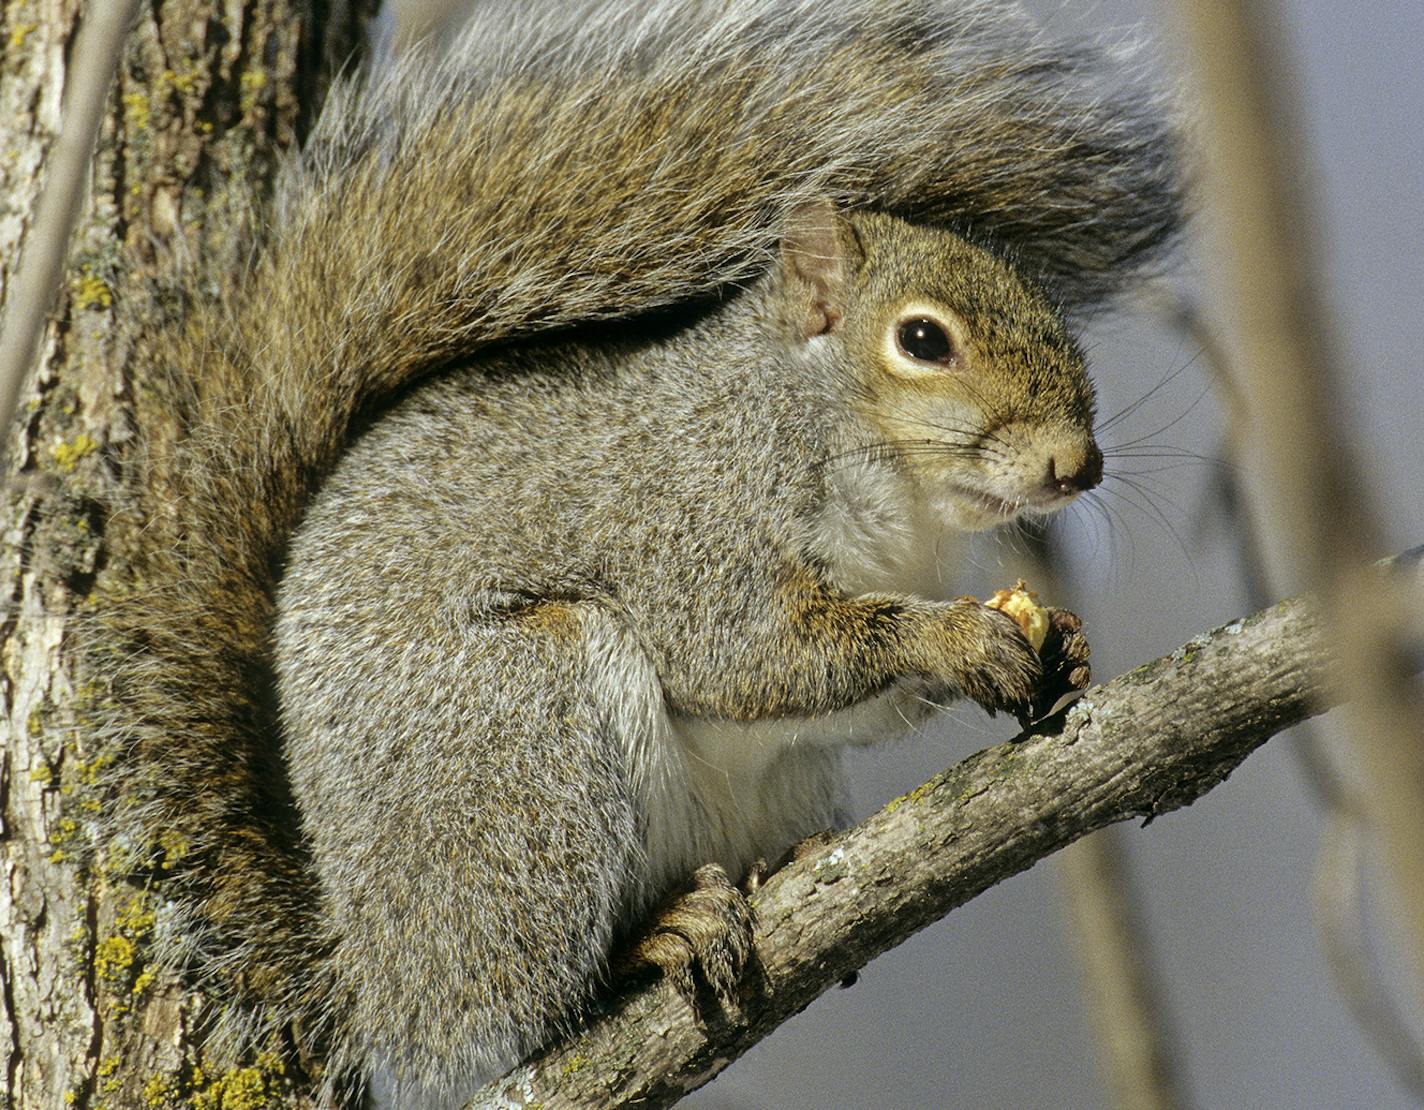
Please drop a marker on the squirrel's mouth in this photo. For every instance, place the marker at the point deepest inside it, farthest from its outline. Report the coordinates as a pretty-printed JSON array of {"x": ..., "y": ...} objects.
[
  {"x": 987, "y": 510},
  {"x": 984, "y": 509},
  {"x": 997, "y": 506}
]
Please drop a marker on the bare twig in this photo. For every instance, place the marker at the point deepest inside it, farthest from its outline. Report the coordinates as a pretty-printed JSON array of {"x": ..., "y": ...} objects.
[
  {"x": 1144, "y": 744},
  {"x": 1318, "y": 529},
  {"x": 1125, "y": 997},
  {"x": 96, "y": 54},
  {"x": 1339, "y": 887},
  {"x": 1338, "y": 902}
]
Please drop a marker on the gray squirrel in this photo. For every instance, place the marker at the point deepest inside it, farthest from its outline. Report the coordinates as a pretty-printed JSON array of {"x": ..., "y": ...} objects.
[{"x": 577, "y": 470}]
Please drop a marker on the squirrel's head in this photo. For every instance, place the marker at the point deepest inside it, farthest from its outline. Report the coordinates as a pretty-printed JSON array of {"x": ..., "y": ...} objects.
[{"x": 964, "y": 374}]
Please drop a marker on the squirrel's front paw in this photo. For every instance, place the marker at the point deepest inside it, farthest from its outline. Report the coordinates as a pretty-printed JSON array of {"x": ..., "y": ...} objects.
[
  {"x": 984, "y": 654},
  {"x": 703, "y": 933},
  {"x": 1065, "y": 660}
]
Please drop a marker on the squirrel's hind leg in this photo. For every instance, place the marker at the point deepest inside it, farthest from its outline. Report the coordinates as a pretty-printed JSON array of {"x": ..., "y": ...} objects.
[{"x": 474, "y": 924}]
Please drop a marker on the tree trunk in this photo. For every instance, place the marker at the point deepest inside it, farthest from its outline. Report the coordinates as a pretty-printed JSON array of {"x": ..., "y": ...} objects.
[{"x": 208, "y": 95}]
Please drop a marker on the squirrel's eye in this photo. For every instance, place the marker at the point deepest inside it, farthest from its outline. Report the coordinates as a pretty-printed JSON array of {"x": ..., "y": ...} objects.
[{"x": 924, "y": 341}]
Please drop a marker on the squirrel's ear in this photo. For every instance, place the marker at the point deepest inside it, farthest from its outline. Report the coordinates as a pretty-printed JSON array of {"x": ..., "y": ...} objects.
[{"x": 816, "y": 262}]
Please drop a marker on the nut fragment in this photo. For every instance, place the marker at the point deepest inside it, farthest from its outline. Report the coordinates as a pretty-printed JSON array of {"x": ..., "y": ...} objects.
[{"x": 1021, "y": 603}]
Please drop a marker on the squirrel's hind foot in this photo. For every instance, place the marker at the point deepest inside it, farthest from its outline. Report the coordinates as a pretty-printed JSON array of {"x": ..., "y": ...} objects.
[{"x": 701, "y": 936}]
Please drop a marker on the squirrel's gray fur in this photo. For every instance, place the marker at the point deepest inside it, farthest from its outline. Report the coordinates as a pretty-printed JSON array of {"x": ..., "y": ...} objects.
[
  {"x": 557, "y": 168},
  {"x": 570, "y": 623}
]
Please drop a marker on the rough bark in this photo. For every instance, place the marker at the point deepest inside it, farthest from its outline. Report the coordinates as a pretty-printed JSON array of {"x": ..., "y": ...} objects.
[
  {"x": 208, "y": 93},
  {"x": 1144, "y": 744}
]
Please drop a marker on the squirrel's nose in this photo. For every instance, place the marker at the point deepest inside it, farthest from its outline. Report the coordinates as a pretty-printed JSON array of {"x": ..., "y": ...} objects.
[{"x": 1071, "y": 472}]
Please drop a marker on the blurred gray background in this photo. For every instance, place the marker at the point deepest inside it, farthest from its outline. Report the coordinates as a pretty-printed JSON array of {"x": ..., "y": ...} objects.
[{"x": 985, "y": 1010}]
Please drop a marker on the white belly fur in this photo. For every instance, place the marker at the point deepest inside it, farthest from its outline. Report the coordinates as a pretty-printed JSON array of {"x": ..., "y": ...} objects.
[{"x": 733, "y": 792}]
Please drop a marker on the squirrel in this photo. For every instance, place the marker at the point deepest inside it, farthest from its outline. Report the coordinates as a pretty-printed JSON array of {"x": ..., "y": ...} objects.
[{"x": 573, "y": 474}]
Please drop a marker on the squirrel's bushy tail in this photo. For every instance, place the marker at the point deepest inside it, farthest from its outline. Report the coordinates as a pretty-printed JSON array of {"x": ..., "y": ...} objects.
[{"x": 560, "y": 164}]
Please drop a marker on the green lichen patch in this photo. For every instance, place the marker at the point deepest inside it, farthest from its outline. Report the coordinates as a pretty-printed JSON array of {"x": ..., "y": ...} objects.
[
  {"x": 160, "y": 1091},
  {"x": 914, "y": 797},
  {"x": 67, "y": 453},
  {"x": 89, "y": 290},
  {"x": 136, "y": 918},
  {"x": 184, "y": 81},
  {"x": 261, "y": 1085},
  {"x": 19, "y": 33},
  {"x": 576, "y": 1063},
  {"x": 62, "y": 836},
  {"x": 119, "y": 955},
  {"x": 251, "y": 84},
  {"x": 138, "y": 112},
  {"x": 114, "y": 958}
]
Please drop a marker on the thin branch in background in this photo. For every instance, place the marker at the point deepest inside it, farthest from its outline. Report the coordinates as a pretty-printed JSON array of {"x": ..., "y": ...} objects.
[
  {"x": 1339, "y": 890},
  {"x": 1141, "y": 1058},
  {"x": 1139, "y": 1055},
  {"x": 96, "y": 56},
  {"x": 1314, "y": 515},
  {"x": 1339, "y": 901}
]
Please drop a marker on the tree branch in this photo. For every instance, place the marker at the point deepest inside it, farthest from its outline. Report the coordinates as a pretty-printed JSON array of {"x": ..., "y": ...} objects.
[{"x": 1144, "y": 744}]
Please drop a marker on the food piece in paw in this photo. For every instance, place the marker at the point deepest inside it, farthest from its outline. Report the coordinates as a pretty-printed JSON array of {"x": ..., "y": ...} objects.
[{"x": 1022, "y": 605}]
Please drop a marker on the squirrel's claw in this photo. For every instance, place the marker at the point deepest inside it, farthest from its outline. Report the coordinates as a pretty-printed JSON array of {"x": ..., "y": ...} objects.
[
  {"x": 1065, "y": 661},
  {"x": 702, "y": 934}
]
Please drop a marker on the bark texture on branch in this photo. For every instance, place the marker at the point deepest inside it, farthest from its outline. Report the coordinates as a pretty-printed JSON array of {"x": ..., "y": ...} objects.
[{"x": 1144, "y": 744}]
